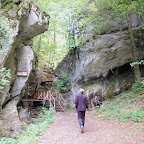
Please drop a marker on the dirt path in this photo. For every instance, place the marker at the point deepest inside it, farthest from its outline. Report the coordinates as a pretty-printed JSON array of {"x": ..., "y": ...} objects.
[{"x": 65, "y": 130}]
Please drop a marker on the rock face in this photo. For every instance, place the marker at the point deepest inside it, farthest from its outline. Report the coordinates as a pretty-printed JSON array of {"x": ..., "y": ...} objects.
[
  {"x": 102, "y": 65},
  {"x": 29, "y": 22}
]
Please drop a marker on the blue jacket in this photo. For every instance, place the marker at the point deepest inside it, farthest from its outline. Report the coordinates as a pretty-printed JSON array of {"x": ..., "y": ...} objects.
[{"x": 81, "y": 102}]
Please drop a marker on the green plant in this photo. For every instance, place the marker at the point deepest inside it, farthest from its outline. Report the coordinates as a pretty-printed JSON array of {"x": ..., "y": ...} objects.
[
  {"x": 69, "y": 108},
  {"x": 122, "y": 108},
  {"x": 138, "y": 87},
  {"x": 5, "y": 75},
  {"x": 5, "y": 34},
  {"x": 137, "y": 63},
  {"x": 30, "y": 135},
  {"x": 63, "y": 83},
  {"x": 141, "y": 128}
]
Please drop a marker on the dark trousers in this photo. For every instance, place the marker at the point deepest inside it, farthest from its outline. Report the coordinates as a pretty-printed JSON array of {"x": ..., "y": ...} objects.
[{"x": 81, "y": 118}]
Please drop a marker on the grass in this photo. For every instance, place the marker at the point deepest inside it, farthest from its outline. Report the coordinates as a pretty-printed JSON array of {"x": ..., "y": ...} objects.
[
  {"x": 69, "y": 108},
  {"x": 126, "y": 107},
  {"x": 32, "y": 132}
]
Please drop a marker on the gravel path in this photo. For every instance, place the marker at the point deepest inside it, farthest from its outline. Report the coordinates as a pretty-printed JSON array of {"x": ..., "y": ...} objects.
[{"x": 65, "y": 130}]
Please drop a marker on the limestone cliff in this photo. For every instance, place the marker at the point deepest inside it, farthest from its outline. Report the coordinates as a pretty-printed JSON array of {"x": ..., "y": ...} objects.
[
  {"x": 102, "y": 65},
  {"x": 28, "y": 21}
]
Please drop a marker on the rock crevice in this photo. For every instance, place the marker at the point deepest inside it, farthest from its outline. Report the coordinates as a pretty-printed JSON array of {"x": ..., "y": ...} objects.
[{"x": 28, "y": 21}]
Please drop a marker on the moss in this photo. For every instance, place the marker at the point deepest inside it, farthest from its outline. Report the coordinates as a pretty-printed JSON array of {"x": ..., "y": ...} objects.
[
  {"x": 17, "y": 2},
  {"x": 107, "y": 55},
  {"x": 11, "y": 6},
  {"x": 21, "y": 44},
  {"x": 126, "y": 81},
  {"x": 88, "y": 87},
  {"x": 96, "y": 36},
  {"x": 8, "y": 8},
  {"x": 46, "y": 13},
  {"x": 102, "y": 82},
  {"x": 139, "y": 33},
  {"x": 10, "y": 2},
  {"x": 110, "y": 92},
  {"x": 72, "y": 66},
  {"x": 110, "y": 55},
  {"x": 5, "y": 2},
  {"x": 24, "y": 7}
]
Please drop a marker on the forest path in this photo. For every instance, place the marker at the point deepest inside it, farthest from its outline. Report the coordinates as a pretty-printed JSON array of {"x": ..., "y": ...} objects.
[{"x": 65, "y": 130}]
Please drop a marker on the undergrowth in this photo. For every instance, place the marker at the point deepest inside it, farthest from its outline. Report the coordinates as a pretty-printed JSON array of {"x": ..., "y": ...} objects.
[
  {"x": 32, "y": 132},
  {"x": 126, "y": 107}
]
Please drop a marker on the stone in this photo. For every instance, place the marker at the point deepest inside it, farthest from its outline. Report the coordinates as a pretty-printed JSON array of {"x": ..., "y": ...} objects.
[
  {"x": 28, "y": 22},
  {"x": 11, "y": 118},
  {"x": 102, "y": 65},
  {"x": 25, "y": 58},
  {"x": 24, "y": 114},
  {"x": 20, "y": 57}
]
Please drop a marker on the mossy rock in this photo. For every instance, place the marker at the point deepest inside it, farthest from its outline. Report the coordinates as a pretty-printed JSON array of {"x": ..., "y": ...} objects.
[
  {"x": 10, "y": 2},
  {"x": 110, "y": 92},
  {"x": 23, "y": 6},
  {"x": 88, "y": 87},
  {"x": 139, "y": 33},
  {"x": 126, "y": 81}
]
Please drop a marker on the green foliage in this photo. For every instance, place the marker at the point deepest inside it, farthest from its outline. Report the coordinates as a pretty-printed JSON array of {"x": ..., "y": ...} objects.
[
  {"x": 5, "y": 32},
  {"x": 137, "y": 63},
  {"x": 63, "y": 84},
  {"x": 31, "y": 134},
  {"x": 63, "y": 34},
  {"x": 11, "y": 1},
  {"x": 68, "y": 108},
  {"x": 5, "y": 75},
  {"x": 122, "y": 108},
  {"x": 49, "y": 52},
  {"x": 141, "y": 128},
  {"x": 137, "y": 88},
  {"x": 97, "y": 13}
]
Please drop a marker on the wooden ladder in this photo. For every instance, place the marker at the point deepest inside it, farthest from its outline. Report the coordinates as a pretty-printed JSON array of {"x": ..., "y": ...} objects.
[
  {"x": 55, "y": 99},
  {"x": 59, "y": 102}
]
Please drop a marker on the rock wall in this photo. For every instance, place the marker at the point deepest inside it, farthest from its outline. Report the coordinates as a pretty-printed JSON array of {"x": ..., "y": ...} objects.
[
  {"x": 102, "y": 65},
  {"x": 29, "y": 21}
]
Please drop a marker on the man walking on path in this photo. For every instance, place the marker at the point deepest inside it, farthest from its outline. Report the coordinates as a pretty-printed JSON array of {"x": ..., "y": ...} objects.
[{"x": 81, "y": 103}]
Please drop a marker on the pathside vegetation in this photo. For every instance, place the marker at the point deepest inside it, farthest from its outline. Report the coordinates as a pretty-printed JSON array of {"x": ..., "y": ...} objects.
[
  {"x": 32, "y": 132},
  {"x": 126, "y": 107}
]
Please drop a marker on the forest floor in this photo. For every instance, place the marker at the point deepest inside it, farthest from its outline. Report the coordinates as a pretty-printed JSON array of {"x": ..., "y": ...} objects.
[{"x": 65, "y": 130}]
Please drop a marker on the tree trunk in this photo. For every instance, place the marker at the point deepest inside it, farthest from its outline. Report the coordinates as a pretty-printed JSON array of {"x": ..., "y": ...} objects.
[{"x": 136, "y": 67}]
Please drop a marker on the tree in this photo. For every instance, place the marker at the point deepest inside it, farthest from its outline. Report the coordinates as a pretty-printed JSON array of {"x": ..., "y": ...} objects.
[
  {"x": 63, "y": 33},
  {"x": 116, "y": 8},
  {"x": 124, "y": 8},
  {"x": 68, "y": 16}
]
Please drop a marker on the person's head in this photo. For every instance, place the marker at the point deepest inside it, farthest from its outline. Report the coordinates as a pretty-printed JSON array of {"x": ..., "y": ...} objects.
[
  {"x": 81, "y": 91},
  {"x": 96, "y": 97}
]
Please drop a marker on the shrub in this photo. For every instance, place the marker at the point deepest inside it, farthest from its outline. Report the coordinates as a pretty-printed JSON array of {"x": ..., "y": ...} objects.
[
  {"x": 5, "y": 34},
  {"x": 5, "y": 75},
  {"x": 122, "y": 108},
  {"x": 138, "y": 87},
  {"x": 30, "y": 135},
  {"x": 63, "y": 84}
]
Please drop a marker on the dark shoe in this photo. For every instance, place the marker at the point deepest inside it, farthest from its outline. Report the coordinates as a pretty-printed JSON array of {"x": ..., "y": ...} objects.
[{"x": 82, "y": 129}]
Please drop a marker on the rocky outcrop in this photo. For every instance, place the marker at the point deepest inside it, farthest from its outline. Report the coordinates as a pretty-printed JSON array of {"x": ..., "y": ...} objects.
[
  {"x": 102, "y": 65},
  {"x": 28, "y": 21}
]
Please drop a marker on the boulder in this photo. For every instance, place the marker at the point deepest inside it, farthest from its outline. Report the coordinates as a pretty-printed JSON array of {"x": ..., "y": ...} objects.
[
  {"x": 28, "y": 21},
  {"x": 102, "y": 65}
]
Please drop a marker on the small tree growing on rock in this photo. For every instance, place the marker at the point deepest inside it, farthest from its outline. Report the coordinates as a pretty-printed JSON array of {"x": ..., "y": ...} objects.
[{"x": 116, "y": 8}]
